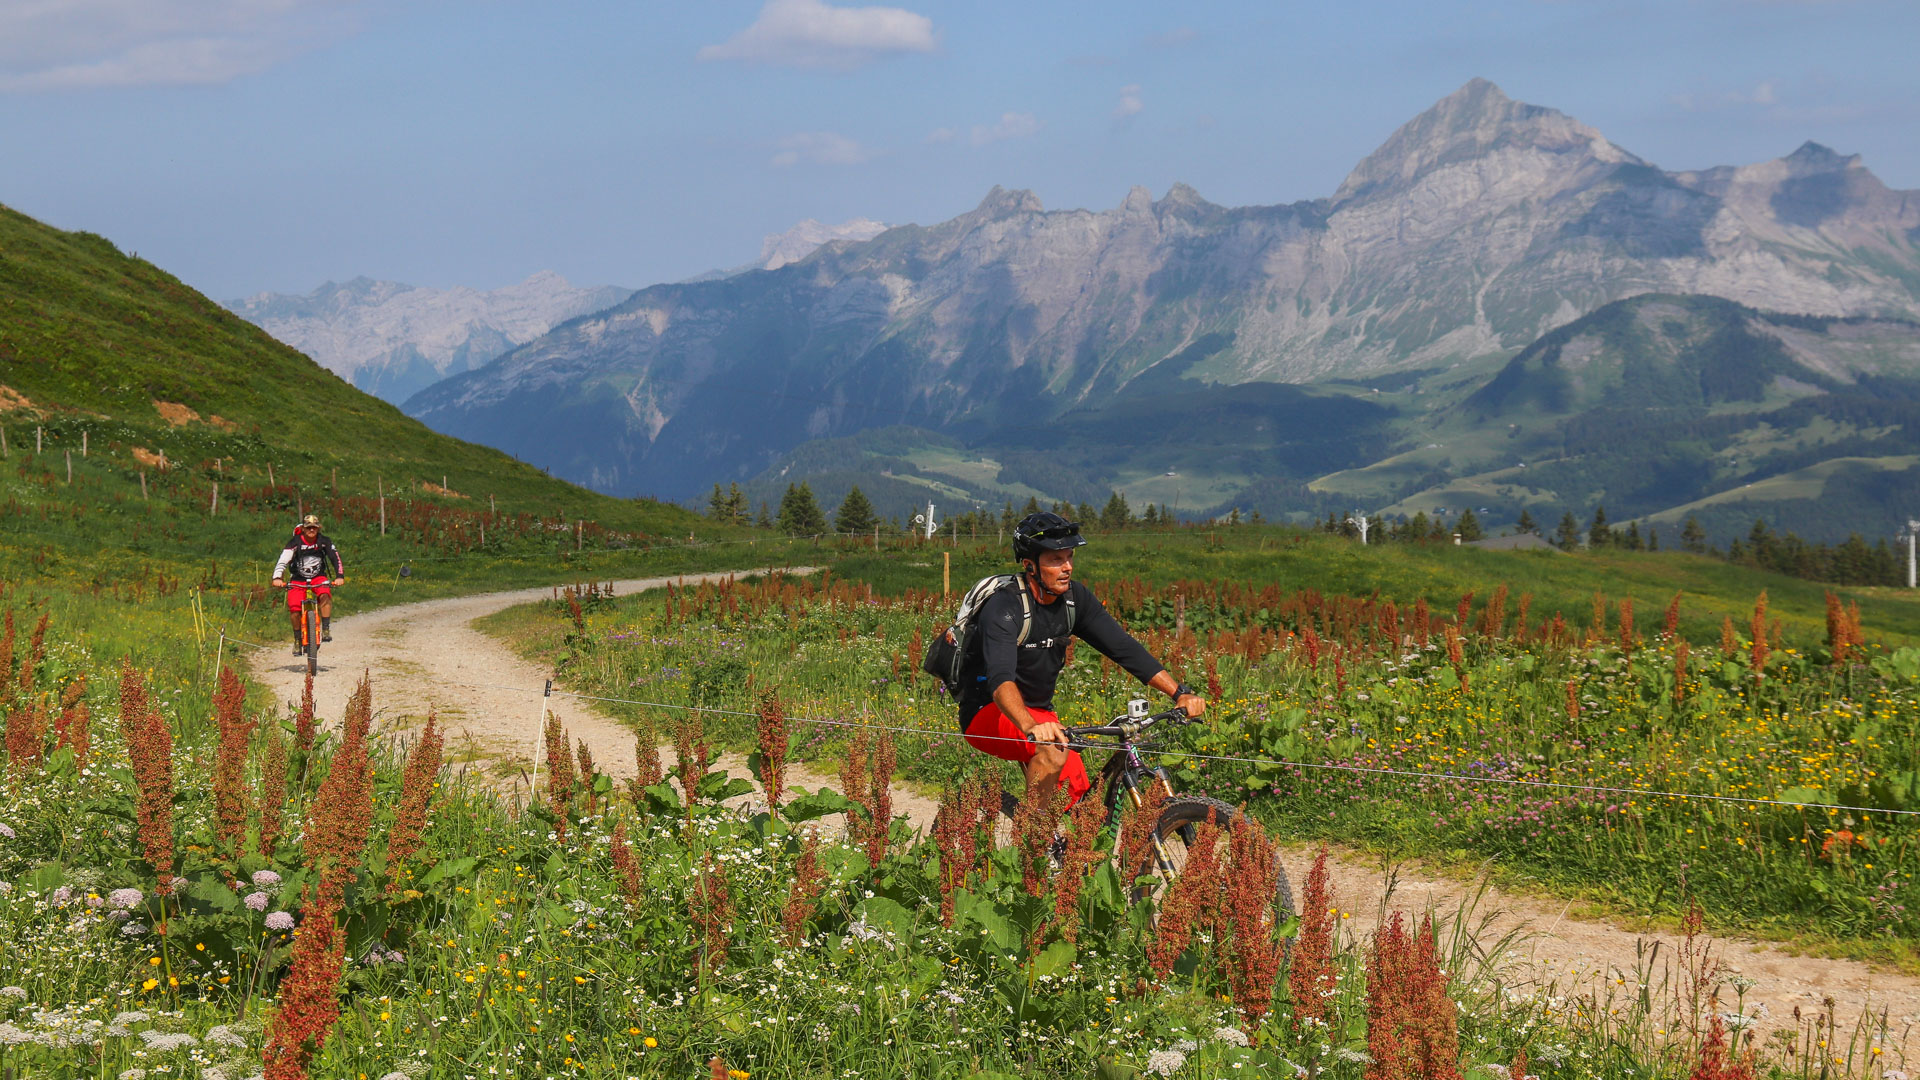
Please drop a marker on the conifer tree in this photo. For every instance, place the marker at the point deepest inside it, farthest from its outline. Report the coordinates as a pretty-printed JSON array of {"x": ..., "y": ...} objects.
[
  {"x": 1117, "y": 514},
  {"x": 1151, "y": 517},
  {"x": 717, "y": 505},
  {"x": 1692, "y": 537},
  {"x": 1469, "y": 526},
  {"x": 736, "y": 505},
  {"x": 1032, "y": 507},
  {"x": 1653, "y": 538},
  {"x": 1526, "y": 524},
  {"x": 799, "y": 514},
  {"x": 855, "y": 514},
  {"x": 1007, "y": 520},
  {"x": 766, "y": 520},
  {"x": 1598, "y": 535},
  {"x": 1567, "y": 536}
]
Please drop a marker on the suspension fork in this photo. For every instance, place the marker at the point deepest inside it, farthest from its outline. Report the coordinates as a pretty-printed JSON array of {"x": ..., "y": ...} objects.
[{"x": 1129, "y": 774}]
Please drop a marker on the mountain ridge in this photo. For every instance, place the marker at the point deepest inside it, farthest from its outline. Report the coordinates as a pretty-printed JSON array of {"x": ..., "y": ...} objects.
[{"x": 1475, "y": 228}]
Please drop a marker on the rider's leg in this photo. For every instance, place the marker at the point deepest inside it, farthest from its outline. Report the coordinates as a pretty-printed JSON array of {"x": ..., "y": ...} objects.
[
  {"x": 294, "y": 596},
  {"x": 326, "y": 615},
  {"x": 1045, "y": 767},
  {"x": 1043, "y": 770}
]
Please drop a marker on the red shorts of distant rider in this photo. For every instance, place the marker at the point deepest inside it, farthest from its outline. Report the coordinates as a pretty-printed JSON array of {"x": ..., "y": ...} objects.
[
  {"x": 297, "y": 591},
  {"x": 991, "y": 732}
]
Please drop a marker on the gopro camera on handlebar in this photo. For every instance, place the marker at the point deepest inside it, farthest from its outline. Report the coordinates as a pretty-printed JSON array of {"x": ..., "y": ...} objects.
[{"x": 1137, "y": 709}]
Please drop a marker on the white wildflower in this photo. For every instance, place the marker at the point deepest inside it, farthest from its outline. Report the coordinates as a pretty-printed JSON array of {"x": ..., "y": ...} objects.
[
  {"x": 1230, "y": 1035},
  {"x": 1165, "y": 1062},
  {"x": 164, "y": 1041},
  {"x": 19, "y": 993},
  {"x": 223, "y": 1035}
]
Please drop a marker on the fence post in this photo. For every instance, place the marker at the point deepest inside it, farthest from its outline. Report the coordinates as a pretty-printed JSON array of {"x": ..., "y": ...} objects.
[
  {"x": 946, "y": 574},
  {"x": 143, "y": 485},
  {"x": 214, "y": 507},
  {"x": 269, "y": 474},
  {"x": 3, "y": 443},
  {"x": 83, "y": 442},
  {"x": 380, "y": 484},
  {"x": 69, "y": 468},
  {"x": 37, "y": 446},
  {"x": 579, "y": 526}
]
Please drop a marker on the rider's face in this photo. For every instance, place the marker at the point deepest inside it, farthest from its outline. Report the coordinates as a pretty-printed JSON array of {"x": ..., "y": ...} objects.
[
  {"x": 309, "y": 531},
  {"x": 1055, "y": 570}
]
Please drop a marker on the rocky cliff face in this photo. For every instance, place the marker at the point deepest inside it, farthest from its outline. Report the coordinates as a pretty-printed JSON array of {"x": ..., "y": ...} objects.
[
  {"x": 392, "y": 340},
  {"x": 1475, "y": 228}
]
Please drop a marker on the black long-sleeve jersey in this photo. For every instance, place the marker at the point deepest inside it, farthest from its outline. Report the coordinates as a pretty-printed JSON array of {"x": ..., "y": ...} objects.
[{"x": 1035, "y": 666}]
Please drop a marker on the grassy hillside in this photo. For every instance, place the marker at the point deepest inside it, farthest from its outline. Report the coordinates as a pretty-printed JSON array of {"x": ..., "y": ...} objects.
[
  {"x": 95, "y": 340},
  {"x": 158, "y": 449}
]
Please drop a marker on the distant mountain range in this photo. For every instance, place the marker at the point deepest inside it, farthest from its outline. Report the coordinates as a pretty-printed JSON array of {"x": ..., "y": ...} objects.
[
  {"x": 1072, "y": 350},
  {"x": 392, "y": 340}
]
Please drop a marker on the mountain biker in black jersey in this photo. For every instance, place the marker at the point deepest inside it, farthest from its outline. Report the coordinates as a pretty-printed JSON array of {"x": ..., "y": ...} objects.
[
  {"x": 302, "y": 567},
  {"x": 1006, "y": 702}
]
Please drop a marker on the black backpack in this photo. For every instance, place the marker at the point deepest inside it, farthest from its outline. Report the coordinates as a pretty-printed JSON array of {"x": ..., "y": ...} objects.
[{"x": 954, "y": 651}]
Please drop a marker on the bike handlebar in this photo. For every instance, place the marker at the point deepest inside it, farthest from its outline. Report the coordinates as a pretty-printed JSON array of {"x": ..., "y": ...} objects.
[{"x": 1125, "y": 727}]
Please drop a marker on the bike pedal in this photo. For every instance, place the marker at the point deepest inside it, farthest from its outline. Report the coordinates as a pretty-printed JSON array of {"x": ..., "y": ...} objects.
[
  {"x": 299, "y": 650},
  {"x": 326, "y": 637}
]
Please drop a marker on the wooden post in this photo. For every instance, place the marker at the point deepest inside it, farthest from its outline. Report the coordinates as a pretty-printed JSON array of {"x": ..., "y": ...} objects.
[
  {"x": 579, "y": 529},
  {"x": 214, "y": 506},
  {"x": 163, "y": 460},
  {"x": 269, "y": 474},
  {"x": 299, "y": 508},
  {"x": 335, "y": 483},
  {"x": 380, "y": 484},
  {"x": 946, "y": 573},
  {"x": 36, "y": 439},
  {"x": 143, "y": 485},
  {"x": 3, "y": 443},
  {"x": 83, "y": 442},
  {"x": 69, "y": 468},
  {"x": 443, "y": 483},
  {"x": 490, "y": 507},
  {"x": 483, "y": 534}
]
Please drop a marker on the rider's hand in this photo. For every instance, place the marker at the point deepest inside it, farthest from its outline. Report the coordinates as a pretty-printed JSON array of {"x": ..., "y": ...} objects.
[
  {"x": 278, "y": 584},
  {"x": 341, "y": 580},
  {"x": 1049, "y": 732},
  {"x": 1193, "y": 703}
]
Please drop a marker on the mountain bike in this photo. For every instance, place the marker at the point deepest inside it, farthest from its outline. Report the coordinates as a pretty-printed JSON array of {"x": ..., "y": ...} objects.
[
  {"x": 310, "y": 625},
  {"x": 1177, "y": 828}
]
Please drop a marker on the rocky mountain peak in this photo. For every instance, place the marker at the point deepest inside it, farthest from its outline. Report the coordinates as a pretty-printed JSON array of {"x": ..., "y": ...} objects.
[
  {"x": 1814, "y": 158},
  {"x": 1475, "y": 121},
  {"x": 1002, "y": 202}
]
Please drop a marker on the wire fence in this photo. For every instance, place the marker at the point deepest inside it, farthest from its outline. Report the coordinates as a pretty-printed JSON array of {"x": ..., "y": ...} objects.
[{"x": 1186, "y": 755}]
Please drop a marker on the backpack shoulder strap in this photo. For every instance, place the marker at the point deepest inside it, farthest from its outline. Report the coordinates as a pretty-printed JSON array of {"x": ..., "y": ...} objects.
[
  {"x": 1026, "y": 610},
  {"x": 1071, "y": 611}
]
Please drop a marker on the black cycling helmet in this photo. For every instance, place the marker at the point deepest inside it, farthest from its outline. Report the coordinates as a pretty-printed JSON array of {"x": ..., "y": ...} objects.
[{"x": 1044, "y": 531}]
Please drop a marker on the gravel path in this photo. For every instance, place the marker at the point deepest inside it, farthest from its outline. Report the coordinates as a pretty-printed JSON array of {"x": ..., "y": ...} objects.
[
  {"x": 419, "y": 655},
  {"x": 428, "y": 654}
]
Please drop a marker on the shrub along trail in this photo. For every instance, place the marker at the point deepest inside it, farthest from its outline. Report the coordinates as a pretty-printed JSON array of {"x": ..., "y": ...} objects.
[{"x": 421, "y": 654}]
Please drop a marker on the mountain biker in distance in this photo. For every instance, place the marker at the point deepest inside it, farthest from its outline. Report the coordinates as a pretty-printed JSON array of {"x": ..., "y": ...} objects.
[
  {"x": 306, "y": 558},
  {"x": 1009, "y": 712}
]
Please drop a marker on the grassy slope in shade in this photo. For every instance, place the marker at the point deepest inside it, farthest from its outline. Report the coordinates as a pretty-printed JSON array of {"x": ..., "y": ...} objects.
[{"x": 89, "y": 334}]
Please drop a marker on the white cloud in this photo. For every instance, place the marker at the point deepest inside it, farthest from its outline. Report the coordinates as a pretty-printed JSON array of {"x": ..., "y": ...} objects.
[
  {"x": 821, "y": 148},
  {"x": 813, "y": 34},
  {"x": 942, "y": 135},
  {"x": 1130, "y": 102},
  {"x": 1010, "y": 126},
  {"x": 77, "y": 44}
]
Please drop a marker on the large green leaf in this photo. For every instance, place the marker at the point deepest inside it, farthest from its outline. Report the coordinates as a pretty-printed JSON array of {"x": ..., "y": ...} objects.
[{"x": 818, "y": 804}]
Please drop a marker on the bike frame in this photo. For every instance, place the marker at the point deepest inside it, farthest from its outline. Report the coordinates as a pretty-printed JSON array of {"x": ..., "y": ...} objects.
[{"x": 1126, "y": 773}]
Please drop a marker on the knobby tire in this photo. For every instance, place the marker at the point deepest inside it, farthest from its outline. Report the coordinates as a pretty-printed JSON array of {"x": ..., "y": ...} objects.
[{"x": 1176, "y": 828}]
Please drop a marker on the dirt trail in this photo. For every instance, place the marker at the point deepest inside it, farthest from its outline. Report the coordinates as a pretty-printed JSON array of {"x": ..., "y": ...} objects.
[
  {"x": 1575, "y": 955},
  {"x": 419, "y": 653},
  {"x": 428, "y": 654}
]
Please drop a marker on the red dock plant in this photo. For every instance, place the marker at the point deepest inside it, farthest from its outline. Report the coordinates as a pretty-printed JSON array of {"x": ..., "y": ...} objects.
[
  {"x": 26, "y": 737},
  {"x": 690, "y": 750},
  {"x": 1191, "y": 903},
  {"x": 416, "y": 792},
  {"x": 646, "y": 761},
  {"x": 1248, "y": 910},
  {"x": 773, "y": 748},
  {"x": 711, "y": 910},
  {"x": 853, "y": 784},
  {"x": 1729, "y": 641},
  {"x": 1033, "y": 827},
  {"x": 1084, "y": 822},
  {"x": 1681, "y": 653},
  {"x": 309, "y": 996},
  {"x": 1672, "y": 627},
  {"x": 304, "y": 725},
  {"x": 230, "y": 763},
  {"x": 559, "y": 773},
  {"x": 1627, "y": 638},
  {"x": 1757, "y": 657},
  {"x": 587, "y": 772},
  {"x": 1136, "y": 831},
  {"x": 36, "y": 652},
  {"x": 1411, "y": 1023},
  {"x": 1311, "y": 978},
  {"x": 150, "y": 750},
  {"x": 343, "y": 809},
  {"x": 803, "y": 895},
  {"x": 273, "y": 788},
  {"x": 70, "y": 731},
  {"x": 626, "y": 868}
]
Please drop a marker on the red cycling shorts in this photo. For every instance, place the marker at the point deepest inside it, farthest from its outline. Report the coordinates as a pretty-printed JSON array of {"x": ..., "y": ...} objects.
[
  {"x": 297, "y": 592},
  {"x": 991, "y": 732}
]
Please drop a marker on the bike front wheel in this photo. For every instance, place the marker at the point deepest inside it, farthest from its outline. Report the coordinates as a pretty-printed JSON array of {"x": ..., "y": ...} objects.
[{"x": 1178, "y": 829}]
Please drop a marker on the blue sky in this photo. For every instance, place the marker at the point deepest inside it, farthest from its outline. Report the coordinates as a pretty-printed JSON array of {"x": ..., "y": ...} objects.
[{"x": 254, "y": 145}]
